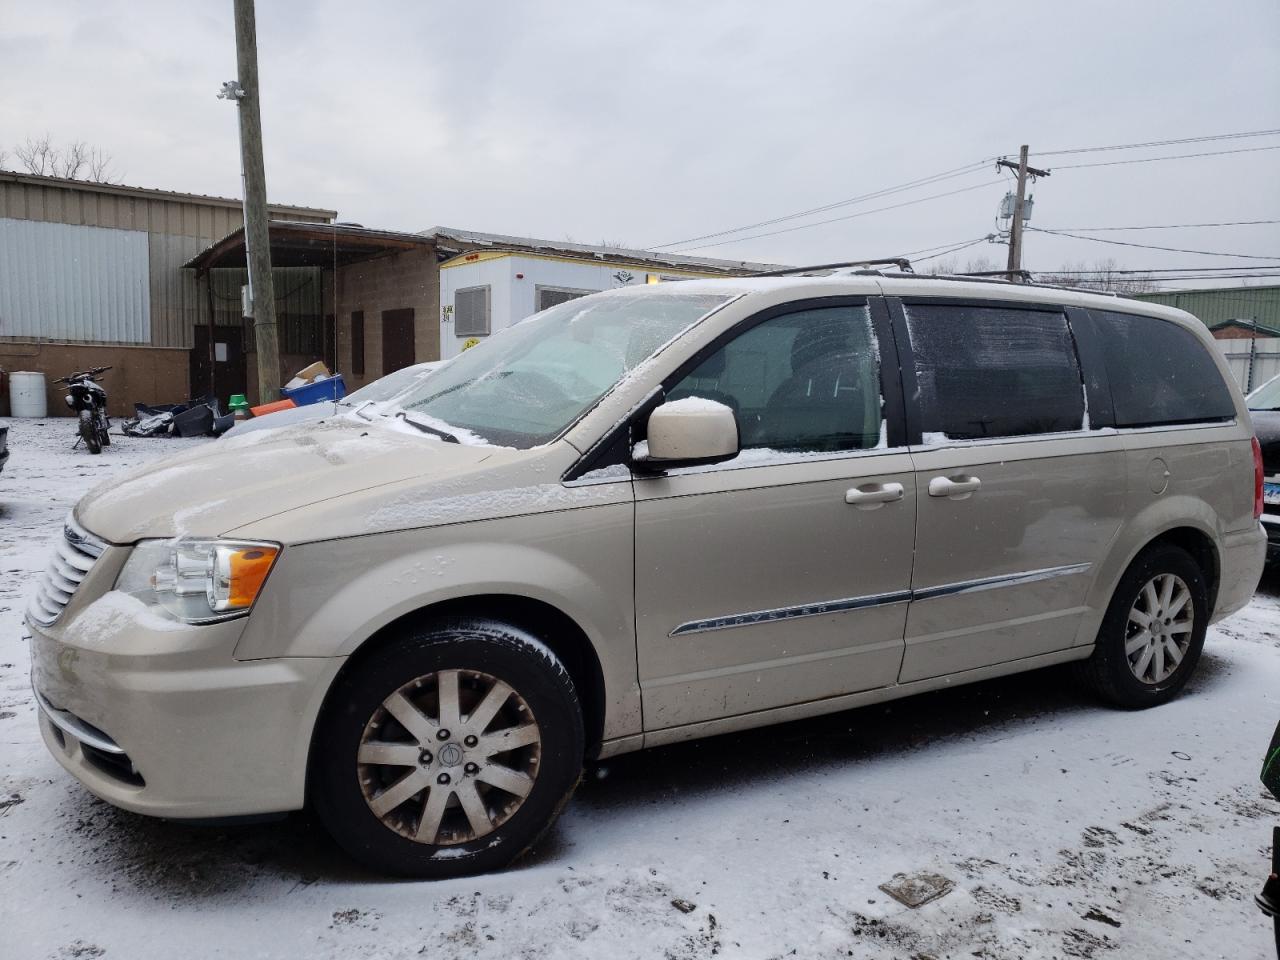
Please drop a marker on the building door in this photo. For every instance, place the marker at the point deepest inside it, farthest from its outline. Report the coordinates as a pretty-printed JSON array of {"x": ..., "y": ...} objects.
[
  {"x": 227, "y": 356},
  {"x": 329, "y": 336},
  {"x": 397, "y": 340}
]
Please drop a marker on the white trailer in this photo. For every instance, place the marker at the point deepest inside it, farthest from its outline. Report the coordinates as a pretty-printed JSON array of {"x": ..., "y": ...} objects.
[{"x": 484, "y": 291}]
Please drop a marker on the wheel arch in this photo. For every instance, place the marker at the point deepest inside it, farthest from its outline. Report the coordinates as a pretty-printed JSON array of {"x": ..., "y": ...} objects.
[
  {"x": 552, "y": 626},
  {"x": 1191, "y": 537},
  {"x": 1201, "y": 548}
]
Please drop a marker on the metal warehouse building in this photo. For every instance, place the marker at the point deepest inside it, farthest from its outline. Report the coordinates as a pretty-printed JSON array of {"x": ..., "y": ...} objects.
[
  {"x": 91, "y": 275},
  {"x": 393, "y": 299},
  {"x": 148, "y": 282},
  {"x": 1229, "y": 312}
]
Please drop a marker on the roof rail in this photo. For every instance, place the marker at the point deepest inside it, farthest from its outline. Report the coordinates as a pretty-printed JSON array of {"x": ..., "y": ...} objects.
[{"x": 1023, "y": 275}]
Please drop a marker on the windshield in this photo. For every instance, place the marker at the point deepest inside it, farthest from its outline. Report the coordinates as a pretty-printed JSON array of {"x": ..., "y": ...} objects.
[
  {"x": 1266, "y": 397},
  {"x": 384, "y": 388},
  {"x": 526, "y": 384}
]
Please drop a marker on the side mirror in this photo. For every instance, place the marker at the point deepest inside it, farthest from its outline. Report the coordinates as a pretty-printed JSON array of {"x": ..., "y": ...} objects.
[{"x": 688, "y": 432}]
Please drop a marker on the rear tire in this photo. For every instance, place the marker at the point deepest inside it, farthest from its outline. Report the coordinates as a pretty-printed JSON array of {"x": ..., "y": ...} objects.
[
  {"x": 1153, "y": 632},
  {"x": 104, "y": 431},
  {"x": 89, "y": 432},
  {"x": 410, "y": 772}
]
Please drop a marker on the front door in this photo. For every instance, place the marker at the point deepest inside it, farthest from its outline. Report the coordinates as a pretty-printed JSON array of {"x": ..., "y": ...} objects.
[
  {"x": 397, "y": 340},
  {"x": 780, "y": 577},
  {"x": 1018, "y": 493}
]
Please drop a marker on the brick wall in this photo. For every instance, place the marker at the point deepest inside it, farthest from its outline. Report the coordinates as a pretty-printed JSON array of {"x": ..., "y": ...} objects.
[
  {"x": 137, "y": 374},
  {"x": 410, "y": 279}
]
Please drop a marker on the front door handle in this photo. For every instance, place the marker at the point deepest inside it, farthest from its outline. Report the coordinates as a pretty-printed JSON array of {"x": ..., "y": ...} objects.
[
  {"x": 954, "y": 488},
  {"x": 871, "y": 496}
]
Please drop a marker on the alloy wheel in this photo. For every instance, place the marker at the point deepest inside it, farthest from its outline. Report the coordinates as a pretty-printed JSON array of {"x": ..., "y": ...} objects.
[
  {"x": 449, "y": 757},
  {"x": 1159, "y": 628}
]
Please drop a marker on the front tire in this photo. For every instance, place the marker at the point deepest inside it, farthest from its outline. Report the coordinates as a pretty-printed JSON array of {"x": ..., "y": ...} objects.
[
  {"x": 89, "y": 432},
  {"x": 1153, "y": 632},
  {"x": 448, "y": 752}
]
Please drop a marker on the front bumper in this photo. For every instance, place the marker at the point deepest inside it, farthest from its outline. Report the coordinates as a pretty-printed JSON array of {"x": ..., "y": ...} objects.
[{"x": 195, "y": 732}]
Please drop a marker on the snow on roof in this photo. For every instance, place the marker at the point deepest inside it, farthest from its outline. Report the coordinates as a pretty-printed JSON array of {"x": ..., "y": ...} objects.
[
  {"x": 443, "y": 235},
  {"x": 121, "y": 189}
]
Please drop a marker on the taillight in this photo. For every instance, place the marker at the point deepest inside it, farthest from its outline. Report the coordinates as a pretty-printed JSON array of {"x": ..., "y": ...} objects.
[{"x": 1257, "y": 479}]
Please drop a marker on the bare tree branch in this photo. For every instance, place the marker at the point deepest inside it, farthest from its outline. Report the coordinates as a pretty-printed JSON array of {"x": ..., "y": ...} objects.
[
  {"x": 77, "y": 161},
  {"x": 69, "y": 161},
  {"x": 37, "y": 155},
  {"x": 99, "y": 166},
  {"x": 1104, "y": 275}
]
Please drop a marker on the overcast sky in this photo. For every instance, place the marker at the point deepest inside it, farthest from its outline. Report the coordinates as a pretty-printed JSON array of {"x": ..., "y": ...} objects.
[{"x": 648, "y": 123}]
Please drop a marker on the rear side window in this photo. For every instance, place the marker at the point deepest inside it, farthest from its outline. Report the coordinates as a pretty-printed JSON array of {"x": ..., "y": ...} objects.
[
  {"x": 1160, "y": 373},
  {"x": 994, "y": 372}
]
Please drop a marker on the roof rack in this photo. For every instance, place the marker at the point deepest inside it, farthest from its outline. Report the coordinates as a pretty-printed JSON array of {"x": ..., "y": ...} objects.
[{"x": 902, "y": 263}]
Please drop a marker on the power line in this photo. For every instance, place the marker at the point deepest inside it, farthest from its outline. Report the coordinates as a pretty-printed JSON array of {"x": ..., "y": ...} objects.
[
  {"x": 1169, "y": 226},
  {"x": 956, "y": 249},
  {"x": 1232, "y": 269},
  {"x": 851, "y": 216},
  {"x": 1160, "y": 143},
  {"x": 1148, "y": 246},
  {"x": 1103, "y": 274},
  {"x": 1176, "y": 156},
  {"x": 874, "y": 195}
]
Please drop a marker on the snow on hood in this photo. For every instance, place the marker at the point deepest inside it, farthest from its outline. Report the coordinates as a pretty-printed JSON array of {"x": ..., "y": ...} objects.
[{"x": 224, "y": 485}]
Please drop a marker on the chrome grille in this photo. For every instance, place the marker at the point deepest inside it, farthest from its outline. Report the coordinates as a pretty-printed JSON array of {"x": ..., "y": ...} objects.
[{"x": 73, "y": 556}]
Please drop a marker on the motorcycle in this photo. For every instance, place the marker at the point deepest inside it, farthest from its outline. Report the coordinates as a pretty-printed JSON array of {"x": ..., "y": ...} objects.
[{"x": 86, "y": 396}]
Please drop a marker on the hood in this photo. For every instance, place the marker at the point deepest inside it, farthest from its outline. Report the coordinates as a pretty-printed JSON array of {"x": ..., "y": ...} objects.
[
  {"x": 1266, "y": 426},
  {"x": 228, "y": 483}
]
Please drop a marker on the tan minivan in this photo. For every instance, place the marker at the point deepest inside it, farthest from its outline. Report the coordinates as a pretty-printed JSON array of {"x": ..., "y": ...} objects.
[{"x": 639, "y": 517}]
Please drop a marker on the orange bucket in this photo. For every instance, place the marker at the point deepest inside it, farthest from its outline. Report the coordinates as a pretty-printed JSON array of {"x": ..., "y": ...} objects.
[{"x": 266, "y": 408}]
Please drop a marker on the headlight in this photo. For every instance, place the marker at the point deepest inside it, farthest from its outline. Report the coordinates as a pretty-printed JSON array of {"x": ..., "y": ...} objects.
[{"x": 198, "y": 581}]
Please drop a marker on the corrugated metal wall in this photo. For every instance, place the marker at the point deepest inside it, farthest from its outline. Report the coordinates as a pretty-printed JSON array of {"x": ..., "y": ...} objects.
[
  {"x": 64, "y": 282},
  {"x": 299, "y": 306},
  {"x": 1229, "y": 303},
  {"x": 1265, "y": 360},
  {"x": 176, "y": 226}
]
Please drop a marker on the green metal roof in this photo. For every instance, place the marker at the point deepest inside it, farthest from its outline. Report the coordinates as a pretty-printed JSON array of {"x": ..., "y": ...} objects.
[
  {"x": 1263, "y": 329},
  {"x": 1218, "y": 304}
]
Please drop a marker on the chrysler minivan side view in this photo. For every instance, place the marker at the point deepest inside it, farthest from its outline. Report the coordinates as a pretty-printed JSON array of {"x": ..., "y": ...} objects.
[{"x": 639, "y": 517}]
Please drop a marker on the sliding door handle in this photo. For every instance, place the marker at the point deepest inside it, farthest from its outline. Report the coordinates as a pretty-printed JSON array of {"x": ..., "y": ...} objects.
[{"x": 869, "y": 496}]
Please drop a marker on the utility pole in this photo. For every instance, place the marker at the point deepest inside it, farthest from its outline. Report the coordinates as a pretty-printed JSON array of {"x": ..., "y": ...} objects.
[
  {"x": 1015, "y": 228},
  {"x": 257, "y": 238}
]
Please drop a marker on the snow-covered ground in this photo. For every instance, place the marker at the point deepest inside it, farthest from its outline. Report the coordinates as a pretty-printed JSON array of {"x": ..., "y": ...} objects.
[{"x": 1068, "y": 829}]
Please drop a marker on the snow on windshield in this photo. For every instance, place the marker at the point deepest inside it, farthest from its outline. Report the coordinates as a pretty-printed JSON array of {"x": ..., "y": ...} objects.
[{"x": 524, "y": 385}]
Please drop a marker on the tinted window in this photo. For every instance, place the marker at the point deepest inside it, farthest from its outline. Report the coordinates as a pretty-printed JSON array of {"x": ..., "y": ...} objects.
[
  {"x": 805, "y": 381},
  {"x": 1160, "y": 373},
  {"x": 994, "y": 372}
]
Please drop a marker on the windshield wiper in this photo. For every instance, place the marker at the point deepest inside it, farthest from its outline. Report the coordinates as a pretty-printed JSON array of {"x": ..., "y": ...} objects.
[{"x": 442, "y": 434}]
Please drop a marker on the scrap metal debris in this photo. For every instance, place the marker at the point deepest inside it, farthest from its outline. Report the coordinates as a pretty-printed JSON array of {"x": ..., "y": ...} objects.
[{"x": 916, "y": 889}]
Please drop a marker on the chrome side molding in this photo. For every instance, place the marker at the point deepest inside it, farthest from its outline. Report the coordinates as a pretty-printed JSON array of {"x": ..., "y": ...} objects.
[
  {"x": 790, "y": 613},
  {"x": 991, "y": 583},
  {"x": 822, "y": 608}
]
